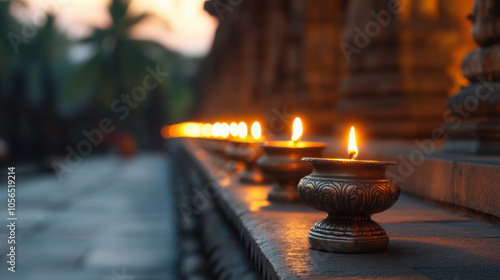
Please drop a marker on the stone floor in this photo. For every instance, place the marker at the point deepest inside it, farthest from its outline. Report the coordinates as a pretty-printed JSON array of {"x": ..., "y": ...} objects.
[{"x": 111, "y": 218}]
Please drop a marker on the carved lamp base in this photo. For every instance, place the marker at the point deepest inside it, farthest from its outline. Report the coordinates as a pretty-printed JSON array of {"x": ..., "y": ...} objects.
[
  {"x": 350, "y": 191},
  {"x": 348, "y": 235}
]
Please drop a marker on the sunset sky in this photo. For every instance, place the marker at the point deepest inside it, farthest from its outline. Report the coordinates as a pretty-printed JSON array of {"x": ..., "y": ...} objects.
[{"x": 190, "y": 32}]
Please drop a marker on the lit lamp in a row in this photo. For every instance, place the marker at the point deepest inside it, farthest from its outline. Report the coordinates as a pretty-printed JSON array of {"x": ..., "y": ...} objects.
[
  {"x": 247, "y": 150},
  {"x": 282, "y": 162},
  {"x": 233, "y": 131}
]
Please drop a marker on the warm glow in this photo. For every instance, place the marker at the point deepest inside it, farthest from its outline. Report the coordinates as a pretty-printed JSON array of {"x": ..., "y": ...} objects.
[
  {"x": 256, "y": 131},
  {"x": 297, "y": 129},
  {"x": 184, "y": 129},
  {"x": 165, "y": 131},
  {"x": 216, "y": 130},
  {"x": 224, "y": 130},
  {"x": 206, "y": 130},
  {"x": 352, "y": 148},
  {"x": 187, "y": 129},
  {"x": 233, "y": 129},
  {"x": 194, "y": 130},
  {"x": 242, "y": 130},
  {"x": 174, "y": 131}
]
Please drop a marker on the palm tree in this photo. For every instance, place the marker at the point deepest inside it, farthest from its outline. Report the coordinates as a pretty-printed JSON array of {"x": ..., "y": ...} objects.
[
  {"x": 116, "y": 66},
  {"x": 42, "y": 60}
]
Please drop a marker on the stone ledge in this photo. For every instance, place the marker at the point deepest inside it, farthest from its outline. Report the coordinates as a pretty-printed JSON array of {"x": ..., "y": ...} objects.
[
  {"x": 209, "y": 246},
  {"x": 468, "y": 181},
  {"x": 426, "y": 240}
]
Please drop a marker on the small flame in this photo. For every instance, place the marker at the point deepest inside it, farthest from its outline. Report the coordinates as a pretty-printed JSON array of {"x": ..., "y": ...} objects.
[
  {"x": 165, "y": 131},
  {"x": 206, "y": 130},
  {"x": 256, "y": 131},
  {"x": 233, "y": 129},
  {"x": 224, "y": 130},
  {"x": 242, "y": 130},
  {"x": 297, "y": 129},
  {"x": 216, "y": 130},
  {"x": 352, "y": 148}
]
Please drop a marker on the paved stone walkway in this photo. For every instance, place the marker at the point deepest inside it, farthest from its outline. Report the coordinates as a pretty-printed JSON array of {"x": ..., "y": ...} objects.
[{"x": 112, "y": 218}]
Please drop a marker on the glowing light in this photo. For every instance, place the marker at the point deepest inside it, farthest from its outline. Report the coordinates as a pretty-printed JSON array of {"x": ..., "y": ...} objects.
[
  {"x": 216, "y": 130},
  {"x": 206, "y": 130},
  {"x": 256, "y": 131},
  {"x": 352, "y": 148},
  {"x": 233, "y": 129},
  {"x": 297, "y": 129},
  {"x": 242, "y": 130},
  {"x": 185, "y": 129},
  {"x": 224, "y": 130},
  {"x": 193, "y": 130},
  {"x": 174, "y": 131},
  {"x": 165, "y": 131}
]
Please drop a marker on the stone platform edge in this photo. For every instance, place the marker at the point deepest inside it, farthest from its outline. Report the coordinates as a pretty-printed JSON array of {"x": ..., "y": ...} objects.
[{"x": 230, "y": 211}]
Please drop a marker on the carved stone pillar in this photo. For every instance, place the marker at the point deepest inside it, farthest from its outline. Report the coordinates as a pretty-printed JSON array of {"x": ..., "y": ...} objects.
[
  {"x": 299, "y": 72},
  {"x": 472, "y": 118},
  {"x": 271, "y": 59},
  {"x": 323, "y": 64},
  {"x": 398, "y": 53}
]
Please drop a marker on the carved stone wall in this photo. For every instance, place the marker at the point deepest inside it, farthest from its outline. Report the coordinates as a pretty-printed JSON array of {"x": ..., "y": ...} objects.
[
  {"x": 273, "y": 58},
  {"x": 472, "y": 121},
  {"x": 398, "y": 54},
  {"x": 277, "y": 58}
]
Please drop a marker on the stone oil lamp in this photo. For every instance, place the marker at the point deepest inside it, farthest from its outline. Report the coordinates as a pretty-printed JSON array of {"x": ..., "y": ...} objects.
[
  {"x": 282, "y": 163},
  {"x": 219, "y": 142},
  {"x": 206, "y": 135},
  {"x": 237, "y": 133},
  {"x": 350, "y": 191},
  {"x": 247, "y": 150}
]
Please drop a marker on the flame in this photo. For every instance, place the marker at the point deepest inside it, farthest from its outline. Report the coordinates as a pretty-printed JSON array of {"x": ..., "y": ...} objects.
[
  {"x": 216, "y": 130},
  {"x": 352, "y": 148},
  {"x": 165, "y": 131},
  {"x": 256, "y": 131},
  {"x": 233, "y": 129},
  {"x": 206, "y": 130},
  {"x": 297, "y": 129},
  {"x": 242, "y": 130},
  {"x": 224, "y": 130}
]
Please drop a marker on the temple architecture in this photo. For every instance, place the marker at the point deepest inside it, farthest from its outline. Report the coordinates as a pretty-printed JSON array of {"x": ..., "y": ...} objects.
[
  {"x": 274, "y": 58},
  {"x": 398, "y": 54},
  {"x": 421, "y": 90},
  {"x": 386, "y": 66},
  {"x": 473, "y": 114}
]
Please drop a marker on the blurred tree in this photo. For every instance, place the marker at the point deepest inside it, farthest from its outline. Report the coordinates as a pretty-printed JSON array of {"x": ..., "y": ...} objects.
[
  {"x": 28, "y": 82},
  {"x": 52, "y": 88},
  {"x": 42, "y": 57},
  {"x": 7, "y": 23},
  {"x": 14, "y": 104},
  {"x": 118, "y": 64}
]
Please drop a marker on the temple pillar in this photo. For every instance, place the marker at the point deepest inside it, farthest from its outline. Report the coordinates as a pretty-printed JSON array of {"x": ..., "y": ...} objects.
[
  {"x": 398, "y": 53},
  {"x": 300, "y": 74},
  {"x": 472, "y": 117},
  {"x": 272, "y": 59}
]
